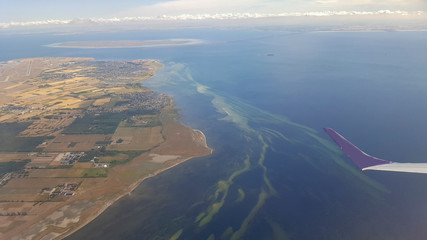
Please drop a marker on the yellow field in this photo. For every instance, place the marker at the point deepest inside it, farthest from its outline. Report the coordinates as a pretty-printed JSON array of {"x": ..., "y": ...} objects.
[
  {"x": 46, "y": 91},
  {"x": 28, "y": 189},
  {"x": 136, "y": 138},
  {"x": 43, "y": 174},
  {"x": 78, "y": 88},
  {"x": 75, "y": 143},
  {"x": 10, "y": 207},
  {"x": 67, "y": 71},
  {"x": 13, "y": 86},
  {"x": 97, "y": 90},
  {"x": 124, "y": 90},
  {"x": 7, "y": 157},
  {"x": 83, "y": 165},
  {"x": 44, "y": 158},
  {"x": 101, "y": 101},
  {"x": 83, "y": 104},
  {"x": 28, "y": 115},
  {"x": 45, "y": 127},
  {"x": 118, "y": 157},
  {"x": 5, "y": 117},
  {"x": 62, "y": 82},
  {"x": 66, "y": 102}
]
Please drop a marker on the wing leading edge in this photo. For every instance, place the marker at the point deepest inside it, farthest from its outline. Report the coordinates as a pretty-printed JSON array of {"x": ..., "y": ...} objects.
[{"x": 367, "y": 162}]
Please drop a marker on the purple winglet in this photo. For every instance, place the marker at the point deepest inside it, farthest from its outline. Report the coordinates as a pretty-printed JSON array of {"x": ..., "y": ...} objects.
[{"x": 361, "y": 159}]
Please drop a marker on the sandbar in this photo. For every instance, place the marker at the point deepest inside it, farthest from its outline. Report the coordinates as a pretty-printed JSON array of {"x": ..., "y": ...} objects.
[{"x": 127, "y": 44}]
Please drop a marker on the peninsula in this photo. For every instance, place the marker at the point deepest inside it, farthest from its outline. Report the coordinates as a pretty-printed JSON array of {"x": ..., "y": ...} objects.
[{"x": 76, "y": 135}]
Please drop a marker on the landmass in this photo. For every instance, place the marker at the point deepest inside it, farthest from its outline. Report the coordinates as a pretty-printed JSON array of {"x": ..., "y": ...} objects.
[
  {"x": 126, "y": 44},
  {"x": 76, "y": 135}
]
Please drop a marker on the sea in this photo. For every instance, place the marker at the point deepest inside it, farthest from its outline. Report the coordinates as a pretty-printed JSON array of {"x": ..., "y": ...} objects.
[{"x": 262, "y": 97}]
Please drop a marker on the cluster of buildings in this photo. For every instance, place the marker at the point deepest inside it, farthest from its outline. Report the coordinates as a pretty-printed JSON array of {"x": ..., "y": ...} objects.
[
  {"x": 100, "y": 165},
  {"x": 116, "y": 72},
  {"x": 70, "y": 158},
  {"x": 11, "y": 108},
  {"x": 5, "y": 179},
  {"x": 67, "y": 189},
  {"x": 146, "y": 100},
  {"x": 8, "y": 176}
]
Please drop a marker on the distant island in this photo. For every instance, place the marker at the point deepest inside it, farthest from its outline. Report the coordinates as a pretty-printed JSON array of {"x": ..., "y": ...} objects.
[
  {"x": 76, "y": 135},
  {"x": 126, "y": 44}
]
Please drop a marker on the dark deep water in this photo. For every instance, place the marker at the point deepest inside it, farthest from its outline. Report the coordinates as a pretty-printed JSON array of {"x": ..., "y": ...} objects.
[{"x": 262, "y": 99}]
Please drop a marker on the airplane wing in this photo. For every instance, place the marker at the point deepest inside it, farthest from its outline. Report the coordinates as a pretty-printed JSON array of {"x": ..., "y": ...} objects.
[{"x": 367, "y": 162}]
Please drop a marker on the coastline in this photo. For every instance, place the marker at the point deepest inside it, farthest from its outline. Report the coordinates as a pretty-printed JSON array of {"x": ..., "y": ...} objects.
[
  {"x": 102, "y": 206},
  {"x": 134, "y": 185},
  {"x": 129, "y": 190}
]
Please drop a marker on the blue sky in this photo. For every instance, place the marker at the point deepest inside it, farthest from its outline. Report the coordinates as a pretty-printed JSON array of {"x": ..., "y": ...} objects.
[{"x": 40, "y": 10}]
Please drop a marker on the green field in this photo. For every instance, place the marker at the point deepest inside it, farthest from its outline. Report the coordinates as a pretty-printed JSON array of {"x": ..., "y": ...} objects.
[
  {"x": 105, "y": 123},
  {"x": 10, "y": 142},
  {"x": 13, "y": 166},
  {"x": 141, "y": 122},
  {"x": 95, "y": 172},
  {"x": 111, "y": 157}
]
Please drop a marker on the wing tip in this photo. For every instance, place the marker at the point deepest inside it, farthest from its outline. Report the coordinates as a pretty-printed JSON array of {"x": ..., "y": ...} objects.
[
  {"x": 330, "y": 131},
  {"x": 360, "y": 158},
  {"x": 327, "y": 129}
]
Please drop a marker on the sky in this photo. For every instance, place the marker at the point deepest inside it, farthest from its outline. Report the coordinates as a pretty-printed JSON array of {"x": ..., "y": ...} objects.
[
  {"x": 20, "y": 12},
  {"x": 41, "y": 10}
]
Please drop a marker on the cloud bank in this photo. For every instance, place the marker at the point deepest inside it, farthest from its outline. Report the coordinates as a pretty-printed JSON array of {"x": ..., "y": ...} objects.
[
  {"x": 178, "y": 7},
  {"x": 201, "y": 17}
]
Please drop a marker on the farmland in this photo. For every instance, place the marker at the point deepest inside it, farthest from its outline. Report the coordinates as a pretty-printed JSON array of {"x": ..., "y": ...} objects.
[
  {"x": 104, "y": 123},
  {"x": 77, "y": 134},
  {"x": 11, "y": 142},
  {"x": 75, "y": 143},
  {"x": 128, "y": 138}
]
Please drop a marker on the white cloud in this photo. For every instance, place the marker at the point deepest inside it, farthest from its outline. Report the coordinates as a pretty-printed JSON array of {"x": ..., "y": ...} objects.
[
  {"x": 326, "y": 1},
  {"x": 369, "y": 5},
  {"x": 178, "y": 7},
  {"x": 216, "y": 16},
  {"x": 34, "y": 23}
]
